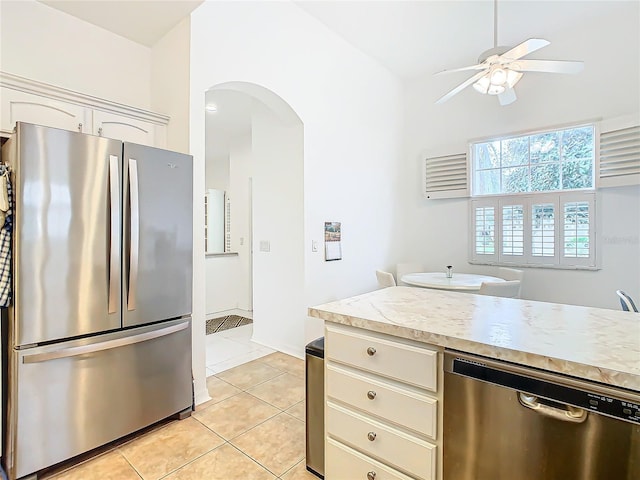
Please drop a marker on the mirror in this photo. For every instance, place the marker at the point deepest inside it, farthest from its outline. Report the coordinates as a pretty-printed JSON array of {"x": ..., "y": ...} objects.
[{"x": 214, "y": 221}]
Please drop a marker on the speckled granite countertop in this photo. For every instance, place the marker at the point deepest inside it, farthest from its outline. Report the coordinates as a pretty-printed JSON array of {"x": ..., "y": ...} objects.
[{"x": 590, "y": 343}]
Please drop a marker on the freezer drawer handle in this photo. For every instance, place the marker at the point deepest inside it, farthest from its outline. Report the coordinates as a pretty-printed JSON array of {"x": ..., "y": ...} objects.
[
  {"x": 571, "y": 414},
  {"x": 109, "y": 344},
  {"x": 135, "y": 234},
  {"x": 114, "y": 242}
]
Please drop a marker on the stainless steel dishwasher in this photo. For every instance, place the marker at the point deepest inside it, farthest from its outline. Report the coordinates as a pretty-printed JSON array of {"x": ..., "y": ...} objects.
[{"x": 504, "y": 422}]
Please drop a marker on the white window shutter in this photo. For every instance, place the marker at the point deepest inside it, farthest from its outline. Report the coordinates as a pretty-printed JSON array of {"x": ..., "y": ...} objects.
[
  {"x": 577, "y": 242},
  {"x": 485, "y": 230},
  {"x": 446, "y": 176},
  {"x": 543, "y": 228},
  {"x": 227, "y": 224},
  {"x": 619, "y": 162},
  {"x": 512, "y": 227}
]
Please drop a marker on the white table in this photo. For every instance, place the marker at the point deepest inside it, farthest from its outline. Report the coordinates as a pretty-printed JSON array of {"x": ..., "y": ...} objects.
[{"x": 439, "y": 280}]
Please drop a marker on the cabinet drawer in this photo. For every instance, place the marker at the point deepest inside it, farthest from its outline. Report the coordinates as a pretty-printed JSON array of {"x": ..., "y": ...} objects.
[
  {"x": 407, "y": 363},
  {"x": 383, "y": 442},
  {"x": 408, "y": 408},
  {"x": 344, "y": 463}
]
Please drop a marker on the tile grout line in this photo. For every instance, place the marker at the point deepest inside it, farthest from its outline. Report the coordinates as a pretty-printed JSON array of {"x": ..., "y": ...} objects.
[
  {"x": 253, "y": 459},
  {"x": 254, "y": 385},
  {"x": 194, "y": 459},
  {"x": 257, "y": 425},
  {"x": 130, "y": 464}
]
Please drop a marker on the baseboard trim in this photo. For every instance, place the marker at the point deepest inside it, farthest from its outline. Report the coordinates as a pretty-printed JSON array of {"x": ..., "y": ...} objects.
[
  {"x": 202, "y": 396},
  {"x": 231, "y": 311},
  {"x": 294, "y": 352}
]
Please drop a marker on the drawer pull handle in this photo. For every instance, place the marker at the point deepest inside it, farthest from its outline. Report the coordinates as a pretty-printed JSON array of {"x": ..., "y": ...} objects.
[
  {"x": 371, "y": 351},
  {"x": 371, "y": 475},
  {"x": 371, "y": 394},
  {"x": 371, "y": 436}
]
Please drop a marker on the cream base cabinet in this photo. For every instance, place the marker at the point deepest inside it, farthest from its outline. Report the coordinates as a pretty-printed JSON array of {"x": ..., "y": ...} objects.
[
  {"x": 17, "y": 106},
  {"x": 383, "y": 406},
  {"x": 111, "y": 125}
]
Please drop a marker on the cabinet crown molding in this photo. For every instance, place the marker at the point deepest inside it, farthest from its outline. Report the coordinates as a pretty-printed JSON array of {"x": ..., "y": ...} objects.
[{"x": 27, "y": 85}]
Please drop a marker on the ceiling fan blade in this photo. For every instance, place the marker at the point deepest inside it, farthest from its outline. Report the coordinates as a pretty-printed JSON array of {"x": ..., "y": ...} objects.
[
  {"x": 547, "y": 66},
  {"x": 507, "y": 97},
  {"x": 462, "y": 86},
  {"x": 480, "y": 66},
  {"x": 525, "y": 48}
]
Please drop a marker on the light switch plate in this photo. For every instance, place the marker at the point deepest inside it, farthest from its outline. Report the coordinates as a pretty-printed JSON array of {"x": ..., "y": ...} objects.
[
  {"x": 265, "y": 246},
  {"x": 314, "y": 245}
]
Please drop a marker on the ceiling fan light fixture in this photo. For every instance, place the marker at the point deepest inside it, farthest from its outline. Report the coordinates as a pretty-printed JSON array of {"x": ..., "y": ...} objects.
[
  {"x": 495, "y": 89},
  {"x": 513, "y": 77},
  {"x": 498, "y": 76},
  {"x": 483, "y": 84}
]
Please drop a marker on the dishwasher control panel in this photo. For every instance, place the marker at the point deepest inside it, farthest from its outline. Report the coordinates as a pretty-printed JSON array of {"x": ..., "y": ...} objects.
[
  {"x": 561, "y": 392},
  {"x": 613, "y": 407}
]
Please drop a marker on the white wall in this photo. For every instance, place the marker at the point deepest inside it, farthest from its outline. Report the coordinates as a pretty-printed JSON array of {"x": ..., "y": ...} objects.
[
  {"x": 223, "y": 284},
  {"x": 351, "y": 111},
  {"x": 170, "y": 83},
  {"x": 436, "y": 231},
  {"x": 45, "y": 44},
  {"x": 241, "y": 169},
  {"x": 278, "y": 218}
]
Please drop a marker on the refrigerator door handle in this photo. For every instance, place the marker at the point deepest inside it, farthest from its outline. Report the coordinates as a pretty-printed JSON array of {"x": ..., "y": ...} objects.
[
  {"x": 107, "y": 345},
  {"x": 135, "y": 234},
  {"x": 114, "y": 240}
]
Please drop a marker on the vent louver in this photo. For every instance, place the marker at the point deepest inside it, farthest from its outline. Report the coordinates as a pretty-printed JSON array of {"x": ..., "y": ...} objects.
[
  {"x": 620, "y": 157},
  {"x": 446, "y": 176}
]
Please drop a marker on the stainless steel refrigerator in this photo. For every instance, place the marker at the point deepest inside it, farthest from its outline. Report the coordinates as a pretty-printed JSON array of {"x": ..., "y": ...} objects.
[{"x": 99, "y": 328}]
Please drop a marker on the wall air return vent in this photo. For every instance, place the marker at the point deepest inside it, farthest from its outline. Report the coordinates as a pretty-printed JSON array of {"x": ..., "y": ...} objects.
[
  {"x": 446, "y": 176},
  {"x": 619, "y": 157}
]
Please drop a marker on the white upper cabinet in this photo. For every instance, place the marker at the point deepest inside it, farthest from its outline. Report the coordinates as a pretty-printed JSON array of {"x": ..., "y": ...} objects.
[
  {"x": 16, "y": 106},
  {"x": 106, "y": 124},
  {"x": 25, "y": 100}
]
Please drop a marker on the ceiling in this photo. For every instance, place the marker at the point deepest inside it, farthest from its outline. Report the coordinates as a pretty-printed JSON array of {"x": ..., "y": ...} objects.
[
  {"x": 143, "y": 21},
  {"x": 228, "y": 124},
  {"x": 409, "y": 38},
  {"x": 413, "y": 38}
]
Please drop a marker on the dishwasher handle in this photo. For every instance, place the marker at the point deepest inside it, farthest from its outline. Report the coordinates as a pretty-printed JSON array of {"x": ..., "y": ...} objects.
[{"x": 568, "y": 414}]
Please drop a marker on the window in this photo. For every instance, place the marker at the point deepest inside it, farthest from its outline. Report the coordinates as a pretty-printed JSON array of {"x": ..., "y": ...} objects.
[{"x": 533, "y": 199}]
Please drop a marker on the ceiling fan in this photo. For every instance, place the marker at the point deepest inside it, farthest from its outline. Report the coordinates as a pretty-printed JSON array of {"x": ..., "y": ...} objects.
[{"x": 502, "y": 67}]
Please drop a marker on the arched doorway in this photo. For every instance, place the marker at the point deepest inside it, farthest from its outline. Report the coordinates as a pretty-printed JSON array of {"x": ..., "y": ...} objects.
[{"x": 254, "y": 161}]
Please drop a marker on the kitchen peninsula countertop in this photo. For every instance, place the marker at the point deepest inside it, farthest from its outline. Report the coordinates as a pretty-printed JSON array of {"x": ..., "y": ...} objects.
[{"x": 591, "y": 343}]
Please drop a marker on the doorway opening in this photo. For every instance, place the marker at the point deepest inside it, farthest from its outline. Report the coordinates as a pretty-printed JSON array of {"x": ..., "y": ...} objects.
[{"x": 254, "y": 226}]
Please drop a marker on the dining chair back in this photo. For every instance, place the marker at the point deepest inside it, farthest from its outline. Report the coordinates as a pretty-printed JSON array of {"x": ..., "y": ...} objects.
[
  {"x": 385, "y": 279},
  {"x": 509, "y": 289},
  {"x": 512, "y": 274},
  {"x": 626, "y": 302},
  {"x": 404, "y": 268}
]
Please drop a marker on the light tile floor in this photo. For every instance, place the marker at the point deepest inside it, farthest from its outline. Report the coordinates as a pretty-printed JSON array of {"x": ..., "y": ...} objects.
[
  {"x": 252, "y": 428},
  {"x": 230, "y": 348}
]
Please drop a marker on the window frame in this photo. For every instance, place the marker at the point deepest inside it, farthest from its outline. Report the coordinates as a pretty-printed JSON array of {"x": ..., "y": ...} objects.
[
  {"x": 558, "y": 198},
  {"x": 529, "y": 133}
]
